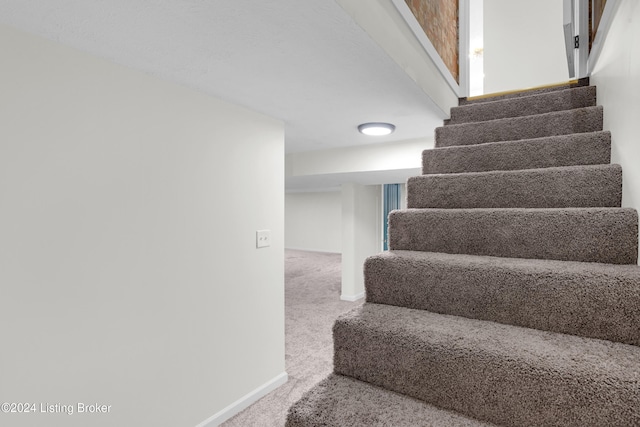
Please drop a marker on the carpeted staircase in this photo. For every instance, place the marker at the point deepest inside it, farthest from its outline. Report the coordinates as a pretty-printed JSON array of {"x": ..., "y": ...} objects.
[{"x": 511, "y": 292}]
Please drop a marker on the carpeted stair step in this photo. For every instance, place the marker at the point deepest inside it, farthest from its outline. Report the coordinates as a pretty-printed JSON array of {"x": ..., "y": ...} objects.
[
  {"x": 340, "y": 401},
  {"x": 523, "y": 93},
  {"x": 606, "y": 235},
  {"x": 534, "y": 104},
  {"x": 511, "y": 291},
  {"x": 592, "y": 148},
  {"x": 588, "y": 119},
  {"x": 503, "y": 374},
  {"x": 587, "y": 299},
  {"x": 567, "y": 186}
]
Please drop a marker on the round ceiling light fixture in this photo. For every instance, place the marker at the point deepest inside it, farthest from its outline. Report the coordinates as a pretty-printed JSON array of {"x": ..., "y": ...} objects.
[{"x": 376, "y": 129}]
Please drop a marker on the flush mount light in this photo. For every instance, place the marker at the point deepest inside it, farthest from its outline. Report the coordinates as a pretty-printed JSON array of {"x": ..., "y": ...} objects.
[{"x": 376, "y": 129}]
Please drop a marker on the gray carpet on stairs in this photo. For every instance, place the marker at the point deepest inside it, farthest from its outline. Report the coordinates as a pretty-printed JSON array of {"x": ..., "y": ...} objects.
[
  {"x": 536, "y": 104},
  {"x": 511, "y": 291},
  {"x": 567, "y": 186},
  {"x": 607, "y": 235},
  {"x": 586, "y": 299},
  {"x": 592, "y": 148},
  {"x": 581, "y": 120},
  {"x": 340, "y": 401},
  {"x": 512, "y": 376}
]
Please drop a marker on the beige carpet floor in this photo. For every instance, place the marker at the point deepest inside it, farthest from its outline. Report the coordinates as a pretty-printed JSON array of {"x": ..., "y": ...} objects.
[{"x": 312, "y": 303}]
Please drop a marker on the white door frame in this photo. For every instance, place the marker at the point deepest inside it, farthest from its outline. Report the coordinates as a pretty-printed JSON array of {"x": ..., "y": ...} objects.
[
  {"x": 464, "y": 23},
  {"x": 576, "y": 32}
]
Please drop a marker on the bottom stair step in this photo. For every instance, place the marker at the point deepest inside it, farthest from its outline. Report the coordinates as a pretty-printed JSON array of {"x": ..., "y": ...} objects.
[
  {"x": 507, "y": 375},
  {"x": 340, "y": 401}
]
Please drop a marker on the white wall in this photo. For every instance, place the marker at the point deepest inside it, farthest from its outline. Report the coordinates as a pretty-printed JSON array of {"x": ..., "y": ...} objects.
[
  {"x": 128, "y": 269},
  {"x": 617, "y": 78},
  {"x": 361, "y": 234},
  {"x": 403, "y": 196},
  {"x": 523, "y": 44},
  {"x": 313, "y": 221}
]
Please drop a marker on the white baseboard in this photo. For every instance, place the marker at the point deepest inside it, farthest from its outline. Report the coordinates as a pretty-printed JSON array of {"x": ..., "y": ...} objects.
[
  {"x": 244, "y": 402},
  {"x": 352, "y": 298},
  {"x": 324, "y": 251}
]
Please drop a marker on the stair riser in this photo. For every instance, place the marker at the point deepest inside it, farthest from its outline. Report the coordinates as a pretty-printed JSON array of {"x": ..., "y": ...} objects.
[
  {"x": 538, "y": 126},
  {"x": 582, "y": 186},
  {"x": 512, "y": 95},
  {"x": 515, "y": 292},
  {"x": 494, "y": 377},
  {"x": 606, "y": 235},
  {"x": 592, "y": 148},
  {"x": 535, "y": 104}
]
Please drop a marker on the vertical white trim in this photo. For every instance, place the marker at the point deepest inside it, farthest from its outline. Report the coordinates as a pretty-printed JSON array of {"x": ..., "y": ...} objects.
[
  {"x": 568, "y": 27},
  {"x": 464, "y": 23},
  {"x": 381, "y": 220},
  {"x": 609, "y": 12},
  {"x": 403, "y": 197},
  {"x": 576, "y": 23},
  {"x": 417, "y": 30},
  {"x": 244, "y": 402},
  {"x": 582, "y": 29}
]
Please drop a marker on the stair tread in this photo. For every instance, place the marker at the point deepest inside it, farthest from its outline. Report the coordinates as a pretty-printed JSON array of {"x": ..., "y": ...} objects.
[
  {"x": 500, "y": 373},
  {"x": 567, "y": 352},
  {"x": 565, "y": 186},
  {"x": 537, "y": 103},
  {"x": 340, "y": 401},
  {"x": 579, "y": 120},
  {"x": 554, "y": 151},
  {"x": 606, "y": 235},
  {"x": 586, "y": 299}
]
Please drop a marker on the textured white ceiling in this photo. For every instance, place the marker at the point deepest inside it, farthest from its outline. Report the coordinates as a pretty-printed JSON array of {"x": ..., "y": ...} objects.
[{"x": 305, "y": 62}]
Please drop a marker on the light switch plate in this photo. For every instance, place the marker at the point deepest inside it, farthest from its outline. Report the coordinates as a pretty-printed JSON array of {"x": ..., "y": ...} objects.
[{"x": 263, "y": 238}]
